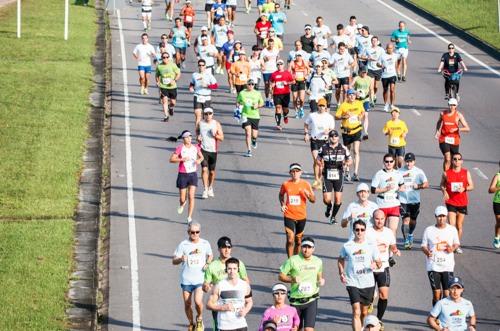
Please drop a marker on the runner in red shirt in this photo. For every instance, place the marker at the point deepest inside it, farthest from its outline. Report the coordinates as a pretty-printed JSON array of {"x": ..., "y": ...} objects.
[
  {"x": 455, "y": 183},
  {"x": 188, "y": 13},
  {"x": 280, "y": 85},
  {"x": 261, "y": 29}
]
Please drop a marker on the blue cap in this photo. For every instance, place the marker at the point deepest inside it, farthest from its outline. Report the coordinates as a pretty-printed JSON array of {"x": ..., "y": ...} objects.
[{"x": 351, "y": 91}]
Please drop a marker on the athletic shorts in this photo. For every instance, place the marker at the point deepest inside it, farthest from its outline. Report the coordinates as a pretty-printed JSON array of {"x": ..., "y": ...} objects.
[
  {"x": 201, "y": 105},
  {"x": 188, "y": 25},
  {"x": 281, "y": 99},
  {"x": 296, "y": 226},
  {"x": 146, "y": 14},
  {"x": 350, "y": 138},
  {"x": 253, "y": 122},
  {"x": 391, "y": 211},
  {"x": 496, "y": 208},
  {"x": 298, "y": 86},
  {"x": 363, "y": 296},
  {"x": 439, "y": 280},
  {"x": 307, "y": 314},
  {"x": 266, "y": 76},
  {"x": 328, "y": 98},
  {"x": 190, "y": 288},
  {"x": 187, "y": 179},
  {"x": 366, "y": 106},
  {"x": 239, "y": 88},
  {"x": 228, "y": 65},
  {"x": 316, "y": 144},
  {"x": 383, "y": 279},
  {"x": 209, "y": 160},
  {"x": 170, "y": 93},
  {"x": 260, "y": 2},
  {"x": 233, "y": 7},
  {"x": 396, "y": 151},
  {"x": 387, "y": 81},
  {"x": 208, "y": 7},
  {"x": 336, "y": 185},
  {"x": 410, "y": 210},
  {"x": 146, "y": 69},
  {"x": 457, "y": 209},
  {"x": 180, "y": 50},
  {"x": 447, "y": 148},
  {"x": 403, "y": 51},
  {"x": 342, "y": 81},
  {"x": 375, "y": 74}
]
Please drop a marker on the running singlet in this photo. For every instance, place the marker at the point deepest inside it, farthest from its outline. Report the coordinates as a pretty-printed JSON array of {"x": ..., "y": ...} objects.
[
  {"x": 216, "y": 271},
  {"x": 219, "y": 9},
  {"x": 188, "y": 14},
  {"x": 242, "y": 71},
  {"x": 179, "y": 39},
  {"x": 307, "y": 273},
  {"x": 208, "y": 141},
  {"x": 355, "y": 110},
  {"x": 167, "y": 73},
  {"x": 496, "y": 197},
  {"x": 299, "y": 71},
  {"x": 190, "y": 165},
  {"x": 147, "y": 6},
  {"x": 437, "y": 241},
  {"x": 334, "y": 159},
  {"x": 453, "y": 315},
  {"x": 451, "y": 61},
  {"x": 395, "y": 131},
  {"x": 449, "y": 133},
  {"x": 281, "y": 80},
  {"x": 455, "y": 181},
  {"x": 234, "y": 295},
  {"x": 358, "y": 259},
  {"x": 295, "y": 198},
  {"x": 196, "y": 253},
  {"x": 250, "y": 100}
]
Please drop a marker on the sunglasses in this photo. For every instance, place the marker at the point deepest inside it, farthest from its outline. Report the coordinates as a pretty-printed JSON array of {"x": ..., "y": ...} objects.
[
  {"x": 208, "y": 113},
  {"x": 280, "y": 64},
  {"x": 165, "y": 57},
  {"x": 279, "y": 293},
  {"x": 388, "y": 161},
  {"x": 359, "y": 230},
  {"x": 457, "y": 159},
  {"x": 252, "y": 84},
  {"x": 201, "y": 65},
  {"x": 194, "y": 232},
  {"x": 322, "y": 106},
  {"x": 451, "y": 47}
]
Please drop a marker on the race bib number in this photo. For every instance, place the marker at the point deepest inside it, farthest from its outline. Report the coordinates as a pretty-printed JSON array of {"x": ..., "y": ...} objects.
[
  {"x": 263, "y": 34},
  {"x": 306, "y": 288},
  {"x": 353, "y": 120},
  {"x": 189, "y": 19},
  {"x": 382, "y": 248},
  {"x": 202, "y": 98},
  {"x": 439, "y": 259},
  {"x": 299, "y": 75},
  {"x": 449, "y": 140},
  {"x": 243, "y": 77},
  {"x": 166, "y": 81},
  {"x": 332, "y": 174},
  {"x": 294, "y": 200},
  {"x": 456, "y": 186},
  {"x": 249, "y": 104},
  {"x": 395, "y": 141},
  {"x": 280, "y": 84},
  {"x": 390, "y": 196},
  {"x": 408, "y": 183},
  {"x": 219, "y": 11},
  {"x": 194, "y": 260},
  {"x": 190, "y": 166}
]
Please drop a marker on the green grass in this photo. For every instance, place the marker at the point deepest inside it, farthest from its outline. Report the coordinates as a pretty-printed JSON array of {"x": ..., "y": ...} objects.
[
  {"x": 44, "y": 88},
  {"x": 45, "y": 82},
  {"x": 478, "y": 17},
  {"x": 35, "y": 258}
]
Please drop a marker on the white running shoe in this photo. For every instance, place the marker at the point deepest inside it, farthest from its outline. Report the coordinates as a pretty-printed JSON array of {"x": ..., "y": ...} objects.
[
  {"x": 211, "y": 192},
  {"x": 180, "y": 209},
  {"x": 205, "y": 194},
  {"x": 387, "y": 107}
]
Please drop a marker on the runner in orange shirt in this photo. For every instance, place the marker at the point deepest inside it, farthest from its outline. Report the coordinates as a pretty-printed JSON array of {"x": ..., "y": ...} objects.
[
  {"x": 188, "y": 13},
  {"x": 240, "y": 71},
  {"x": 293, "y": 197}
]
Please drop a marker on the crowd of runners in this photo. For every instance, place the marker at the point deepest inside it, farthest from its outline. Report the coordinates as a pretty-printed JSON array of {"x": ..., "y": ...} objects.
[{"x": 330, "y": 82}]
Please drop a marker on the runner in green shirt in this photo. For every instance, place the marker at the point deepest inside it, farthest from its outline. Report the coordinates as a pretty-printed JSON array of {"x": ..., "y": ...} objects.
[
  {"x": 495, "y": 189},
  {"x": 249, "y": 101},
  {"x": 364, "y": 87},
  {"x": 167, "y": 74},
  {"x": 305, "y": 273}
]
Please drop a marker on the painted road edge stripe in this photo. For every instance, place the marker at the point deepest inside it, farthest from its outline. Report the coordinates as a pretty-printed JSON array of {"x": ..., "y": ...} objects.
[
  {"x": 134, "y": 271},
  {"x": 473, "y": 58},
  {"x": 480, "y": 173}
]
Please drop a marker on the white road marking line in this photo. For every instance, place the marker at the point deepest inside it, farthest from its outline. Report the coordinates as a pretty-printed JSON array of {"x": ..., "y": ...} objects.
[
  {"x": 134, "y": 272},
  {"x": 416, "y": 112},
  {"x": 305, "y": 14},
  {"x": 473, "y": 58},
  {"x": 480, "y": 173}
]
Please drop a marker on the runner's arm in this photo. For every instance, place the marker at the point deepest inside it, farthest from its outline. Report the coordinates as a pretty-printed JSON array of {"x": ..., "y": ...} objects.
[
  {"x": 219, "y": 135},
  {"x": 470, "y": 183},
  {"x": 493, "y": 185},
  {"x": 432, "y": 321},
  {"x": 442, "y": 185},
  {"x": 340, "y": 265},
  {"x": 465, "y": 126}
]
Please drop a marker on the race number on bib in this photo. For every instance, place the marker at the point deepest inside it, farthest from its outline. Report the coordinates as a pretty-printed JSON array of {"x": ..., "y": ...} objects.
[
  {"x": 439, "y": 259},
  {"x": 194, "y": 260},
  {"x": 263, "y": 34},
  {"x": 219, "y": 11},
  {"x": 456, "y": 186},
  {"x": 202, "y": 98},
  {"x": 395, "y": 141},
  {"x": 332, "y": 174},
  {"x": 390, "y": 196},
  {"x": 353, "y": 120},
  {"x": 189, "y": 19},
  {"x": 166, "y": 81},
  {"x": 294, "y": 200},
  {"x": 280, "y": 84},
  {"x": 306, "y": 288},
  {"x": 449, "y": 140},
  {"x": 299, "y": 75},
  {"x": 243, "y": 77}
]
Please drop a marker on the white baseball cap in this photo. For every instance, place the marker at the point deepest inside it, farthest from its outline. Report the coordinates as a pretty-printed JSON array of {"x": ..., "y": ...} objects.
[
  {"x": 453, "y": 101},
  {"x": 279, "y": 287},
  {"x": 440, "y": 210},
  {"x": 371, "y": 320},
  {"x": 363, "y": 187}
]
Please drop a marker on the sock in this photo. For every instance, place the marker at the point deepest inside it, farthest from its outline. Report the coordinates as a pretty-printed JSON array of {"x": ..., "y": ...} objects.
[
  {"x": 329, "y": 208},
  {"x": 278, "y": 119},
  {"x": 254, "y": 140},
  {"x": 145, "y": 24},
  {"x": 413, "y": 225},
  {"x": 405, "y": 228},
  {"x": 381, "y": 307},
  {"x": 336, "y": 208}
]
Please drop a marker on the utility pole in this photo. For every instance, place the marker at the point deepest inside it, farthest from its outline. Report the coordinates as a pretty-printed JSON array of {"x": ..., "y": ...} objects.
[
  {"x": 66, "y": 18},
  {"x": 19, "y": 18}
]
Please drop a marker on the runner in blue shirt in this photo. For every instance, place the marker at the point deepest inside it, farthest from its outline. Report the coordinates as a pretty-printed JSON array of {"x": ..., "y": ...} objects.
[
  {"x": 401, "y": 38},
  {"x": 219, "y": 10},
  {"x": 278, "y": 20}
]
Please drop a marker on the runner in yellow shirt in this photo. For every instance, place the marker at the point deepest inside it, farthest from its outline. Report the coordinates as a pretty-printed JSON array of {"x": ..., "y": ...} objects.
[
  {"x": 352, "y": 114},
  {"x": 396, "y": 131}
]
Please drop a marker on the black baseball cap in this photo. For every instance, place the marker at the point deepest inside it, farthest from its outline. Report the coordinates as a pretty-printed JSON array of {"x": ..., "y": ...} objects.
[
  {"x": 410, "y": 157},
  {"x": 224, "y": 242},
  {"x": 333, "y": 133}
]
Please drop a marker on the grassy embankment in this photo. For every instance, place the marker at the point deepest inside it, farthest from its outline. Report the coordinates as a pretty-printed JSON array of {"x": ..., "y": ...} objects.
[{"x": 45, "y": 83}]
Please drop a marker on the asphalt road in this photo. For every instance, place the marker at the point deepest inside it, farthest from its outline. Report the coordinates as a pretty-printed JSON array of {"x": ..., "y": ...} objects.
[{"x": 146, "y": 228}]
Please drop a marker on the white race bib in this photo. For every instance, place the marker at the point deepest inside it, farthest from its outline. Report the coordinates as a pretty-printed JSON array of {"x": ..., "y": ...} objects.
[
  {"x": 263, "y": 34},
  {"x": 306, "y": 288},
  {"x": 189, "y": 19},
  {"x": 353, "y": 120},
  {"x": 299, "y": 75},
  {"x": 249, "y": 104},
  {"x": 394, "y": 141},
  {"x": 439, "y": 259},
  {"x": 194, "y": 260},
  {"x": 408, "y": 183},
  {"x": 449, "y": 140},
  {"x": 280, "y": 84},
  {"x": 294, "y": 200},
  {"x": 456, "y": 186},
  {"x": 390, "y": 196},
  {"x": 166, "y": 81},
  {"x": 243, "y": 77},
  {"x": 219, "y": 11},
  {"x": 202, "y": 98},
  {"x": 332, "y": 174}
]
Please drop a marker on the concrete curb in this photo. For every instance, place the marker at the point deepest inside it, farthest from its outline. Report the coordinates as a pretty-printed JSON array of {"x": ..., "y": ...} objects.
[
  {"x": 475, "y": 41},
  {"x": 81, "y": 315}
]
